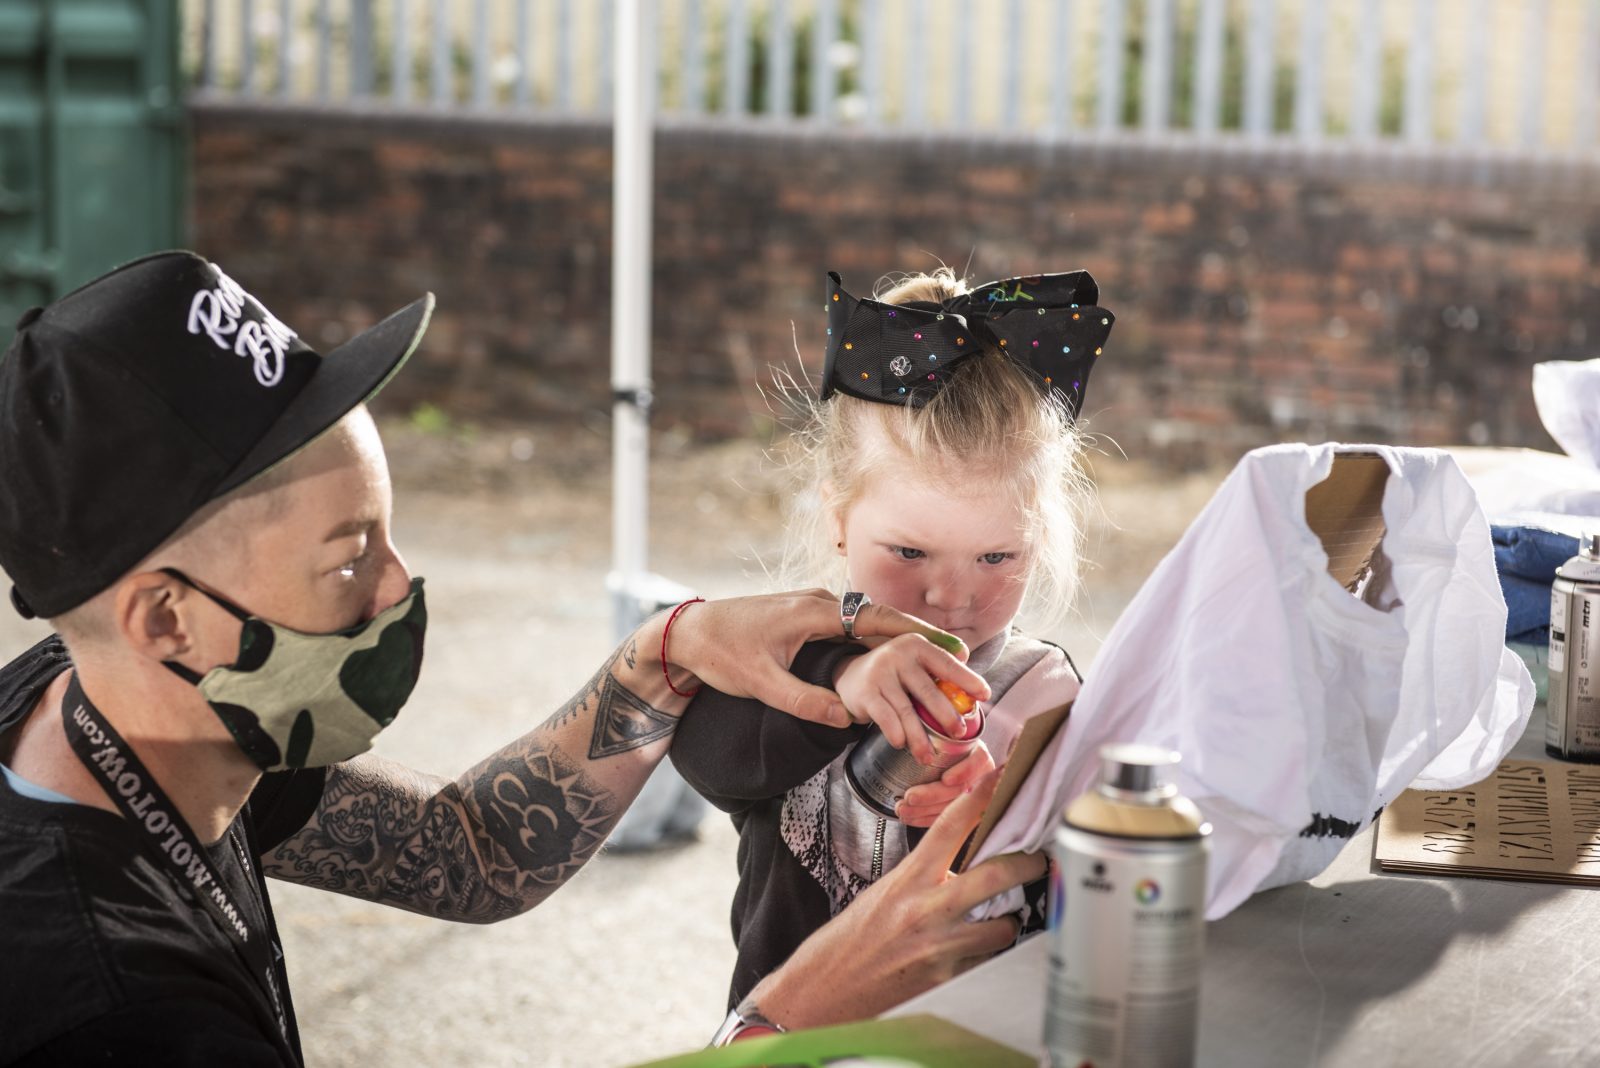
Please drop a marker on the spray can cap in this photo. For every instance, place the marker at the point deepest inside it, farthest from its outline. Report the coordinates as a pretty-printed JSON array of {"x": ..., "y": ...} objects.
[
  {"x": 1589, "y": 545},
  {"x": 1128, "y": 769}
]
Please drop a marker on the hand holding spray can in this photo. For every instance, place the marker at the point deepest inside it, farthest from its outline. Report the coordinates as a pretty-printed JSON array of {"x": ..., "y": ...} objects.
[
  {"x": 879, "y": 774},
  {"x": 1127, "y": 919},
  {"x": 1572, "y": 713}
]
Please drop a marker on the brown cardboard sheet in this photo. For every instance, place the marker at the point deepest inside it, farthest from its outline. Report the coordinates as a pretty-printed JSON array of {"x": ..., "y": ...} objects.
[
  {"x": 1035, "y": 735},
  {"x": 1345, "y": 510},
  {"x": 1535, "y": 820}
]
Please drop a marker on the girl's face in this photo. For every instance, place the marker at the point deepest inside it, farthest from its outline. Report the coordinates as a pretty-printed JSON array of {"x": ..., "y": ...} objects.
[{"x": 953, "y": 550}]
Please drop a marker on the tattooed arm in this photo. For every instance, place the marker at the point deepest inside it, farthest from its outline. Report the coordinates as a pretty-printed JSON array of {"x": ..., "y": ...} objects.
[{"x": 507, "y": 833}]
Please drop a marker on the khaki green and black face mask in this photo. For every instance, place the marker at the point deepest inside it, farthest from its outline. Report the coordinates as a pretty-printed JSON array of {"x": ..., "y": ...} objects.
[{"x": 297, "y": 700}]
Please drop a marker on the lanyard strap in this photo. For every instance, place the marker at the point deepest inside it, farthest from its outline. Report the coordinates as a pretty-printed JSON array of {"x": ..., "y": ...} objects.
[{"x": 147, "y": 808}]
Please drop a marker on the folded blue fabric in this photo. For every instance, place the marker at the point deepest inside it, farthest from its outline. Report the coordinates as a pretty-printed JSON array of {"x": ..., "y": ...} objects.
[
  {"x": 1531, "y": 552},
  {"x": 1526, "y": 559},
  {"x": 1527, "y": 609}
]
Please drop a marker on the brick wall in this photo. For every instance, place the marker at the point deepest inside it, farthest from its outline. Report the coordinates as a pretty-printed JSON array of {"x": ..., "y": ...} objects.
[{"x": 1262, "y": 295}]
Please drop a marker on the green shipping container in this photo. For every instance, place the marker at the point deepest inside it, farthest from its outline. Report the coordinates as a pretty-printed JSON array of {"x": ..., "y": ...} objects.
[{"x": 91, "y": 143}]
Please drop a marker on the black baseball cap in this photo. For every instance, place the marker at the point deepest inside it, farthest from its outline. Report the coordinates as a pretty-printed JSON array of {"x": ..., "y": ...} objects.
[{"x": 129, "y": 403}]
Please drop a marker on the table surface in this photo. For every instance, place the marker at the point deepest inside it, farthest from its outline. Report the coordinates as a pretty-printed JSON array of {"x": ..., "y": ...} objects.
[{"x": 1361, "y": 968}]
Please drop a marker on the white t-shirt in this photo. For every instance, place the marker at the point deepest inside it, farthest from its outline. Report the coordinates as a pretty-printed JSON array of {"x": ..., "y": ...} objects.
[{"x": 1299, "y": 709}]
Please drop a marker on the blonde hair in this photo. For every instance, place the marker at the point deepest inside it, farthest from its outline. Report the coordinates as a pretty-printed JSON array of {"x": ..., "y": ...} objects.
[{"x": 991, "y": 414}]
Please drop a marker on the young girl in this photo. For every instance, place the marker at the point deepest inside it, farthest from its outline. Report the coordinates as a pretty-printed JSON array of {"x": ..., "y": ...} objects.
[{"x": 941, "y": 469}]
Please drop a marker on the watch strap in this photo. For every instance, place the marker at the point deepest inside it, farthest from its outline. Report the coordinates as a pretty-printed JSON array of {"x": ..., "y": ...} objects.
[{"x": 744, "y": 1021}]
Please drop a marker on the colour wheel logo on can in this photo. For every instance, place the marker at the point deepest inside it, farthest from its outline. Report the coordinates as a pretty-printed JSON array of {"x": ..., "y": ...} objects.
[{"x": 1147, "y": 891}]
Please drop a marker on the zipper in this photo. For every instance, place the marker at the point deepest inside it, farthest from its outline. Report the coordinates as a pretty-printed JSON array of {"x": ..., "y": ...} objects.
[{"x": 877, "y": 849}]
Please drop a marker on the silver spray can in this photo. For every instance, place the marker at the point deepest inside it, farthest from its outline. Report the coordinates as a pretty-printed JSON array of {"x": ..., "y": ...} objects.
[
  {"x": 1572, "y": 714},
  {"x": 1127, "y": 919},
  {"x": 879, "y": 774}
]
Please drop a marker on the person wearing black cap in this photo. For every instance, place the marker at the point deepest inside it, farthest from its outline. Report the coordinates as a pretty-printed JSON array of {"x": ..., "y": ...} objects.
[{"x": 199, "y": 504}]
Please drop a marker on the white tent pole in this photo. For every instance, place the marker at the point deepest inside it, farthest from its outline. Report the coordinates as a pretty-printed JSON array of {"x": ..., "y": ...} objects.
[{"x": 632, "y": 181}]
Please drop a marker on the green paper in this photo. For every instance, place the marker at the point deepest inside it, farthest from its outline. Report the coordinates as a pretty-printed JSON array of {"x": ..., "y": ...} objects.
[{"x": 906, "y": 1042}]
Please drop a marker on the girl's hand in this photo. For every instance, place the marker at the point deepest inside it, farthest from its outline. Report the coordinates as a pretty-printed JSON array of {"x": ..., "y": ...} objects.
[
  {"x": 922, "y": 804},
  {"x": 880, "y": 685},
  {"x": 905, "y": 933},
  {"x": 743, "y": 646}
]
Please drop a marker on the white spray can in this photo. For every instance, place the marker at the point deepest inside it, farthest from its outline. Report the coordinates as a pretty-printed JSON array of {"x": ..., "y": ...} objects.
[
  {"x": 1127, "y": 919},
  {"x": 1572, "y": 724}
]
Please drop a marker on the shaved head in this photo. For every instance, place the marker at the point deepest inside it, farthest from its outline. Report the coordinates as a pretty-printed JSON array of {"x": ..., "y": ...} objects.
[{"x": 217, "y": 540}]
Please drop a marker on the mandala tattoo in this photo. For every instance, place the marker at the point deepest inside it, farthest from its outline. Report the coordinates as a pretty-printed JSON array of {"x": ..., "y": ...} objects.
[{"x": 541, "y": 818}]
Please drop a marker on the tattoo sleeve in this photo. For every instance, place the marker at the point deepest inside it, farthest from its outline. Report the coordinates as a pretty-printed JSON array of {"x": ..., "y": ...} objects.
[{"x": 506, "y": 834}]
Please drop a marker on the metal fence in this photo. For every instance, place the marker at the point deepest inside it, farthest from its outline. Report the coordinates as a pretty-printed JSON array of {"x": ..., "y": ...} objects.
[{"x": 1518, "y": 75}]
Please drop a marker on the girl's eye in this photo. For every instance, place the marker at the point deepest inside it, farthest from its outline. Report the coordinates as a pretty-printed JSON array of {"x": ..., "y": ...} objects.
[
  {"x": 996, "y": 558},
  {"x": 906, "y": 553}
]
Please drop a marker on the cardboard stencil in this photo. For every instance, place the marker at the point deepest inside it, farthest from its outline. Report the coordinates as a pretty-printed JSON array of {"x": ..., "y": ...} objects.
[{"x": 1535, "y": 820}]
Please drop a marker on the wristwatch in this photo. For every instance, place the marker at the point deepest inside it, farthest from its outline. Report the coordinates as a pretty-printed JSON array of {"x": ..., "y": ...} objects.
[{"x": 745, "y": 1021}]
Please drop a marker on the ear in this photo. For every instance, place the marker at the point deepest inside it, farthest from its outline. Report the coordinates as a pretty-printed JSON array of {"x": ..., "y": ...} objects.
[{"x": 153, "y": 613}]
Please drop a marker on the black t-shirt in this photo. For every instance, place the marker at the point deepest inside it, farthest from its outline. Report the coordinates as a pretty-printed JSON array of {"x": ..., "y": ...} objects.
[
  {"x": 107, "y": 959},
  {"x": 743, "y": 757}
]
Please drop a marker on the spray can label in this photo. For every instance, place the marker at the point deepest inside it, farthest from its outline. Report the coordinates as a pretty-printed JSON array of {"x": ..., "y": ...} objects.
[
  {"x": 879, "y": 774},
  {"x": 1572, "y": 726},
  {"x": 1127, "y": 934}
]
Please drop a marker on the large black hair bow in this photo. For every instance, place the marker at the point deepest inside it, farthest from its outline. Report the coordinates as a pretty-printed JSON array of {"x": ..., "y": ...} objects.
[{"x": 903, "y": 353}]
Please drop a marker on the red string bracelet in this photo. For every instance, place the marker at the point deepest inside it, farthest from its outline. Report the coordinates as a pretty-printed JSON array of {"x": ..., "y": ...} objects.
[{"x": 668, "y": 630}]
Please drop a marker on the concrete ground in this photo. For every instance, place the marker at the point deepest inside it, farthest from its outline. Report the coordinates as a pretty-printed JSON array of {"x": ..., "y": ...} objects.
[{"x": 630, "y": 960}]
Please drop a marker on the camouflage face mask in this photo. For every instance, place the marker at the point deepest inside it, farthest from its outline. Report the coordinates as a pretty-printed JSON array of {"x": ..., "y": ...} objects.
[{"x": 297, "y": 700}]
